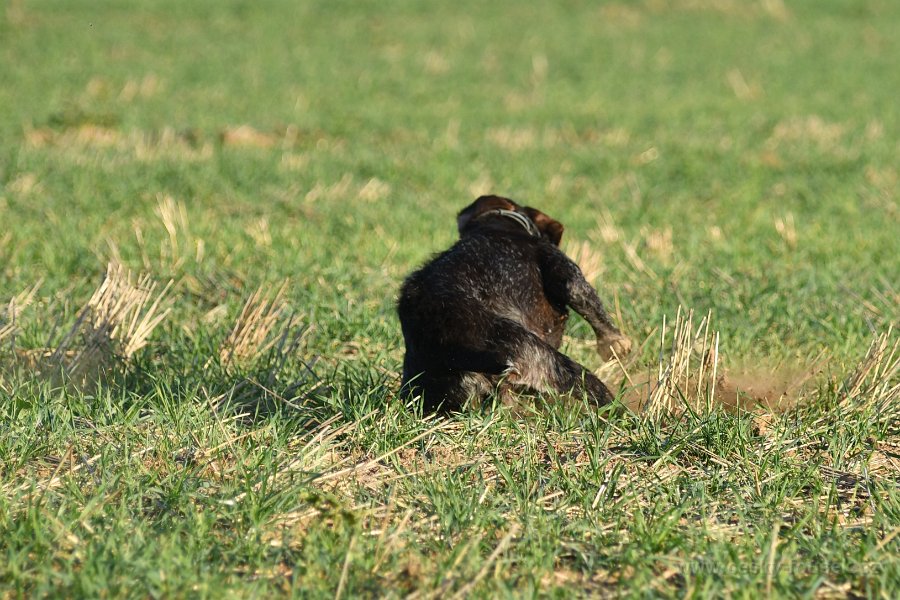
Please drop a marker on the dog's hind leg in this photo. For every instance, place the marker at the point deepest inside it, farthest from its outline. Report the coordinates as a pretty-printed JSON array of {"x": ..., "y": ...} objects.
[
  {"x": 534, "y": 364},
  {"x": 498, "y": 348}
]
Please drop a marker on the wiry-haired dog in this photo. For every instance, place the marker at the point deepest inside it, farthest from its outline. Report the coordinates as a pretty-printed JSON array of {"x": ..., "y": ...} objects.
[{"x": 491, "y": 310}]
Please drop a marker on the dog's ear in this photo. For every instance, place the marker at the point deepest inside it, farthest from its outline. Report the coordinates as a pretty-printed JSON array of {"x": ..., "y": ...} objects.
[
  {"x": 547, "y": 225},
  {"x": 481, "y": 206}
]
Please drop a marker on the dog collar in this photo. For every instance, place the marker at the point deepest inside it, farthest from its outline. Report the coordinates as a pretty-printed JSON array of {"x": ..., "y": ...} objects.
[{"x": 519, "y": 218}]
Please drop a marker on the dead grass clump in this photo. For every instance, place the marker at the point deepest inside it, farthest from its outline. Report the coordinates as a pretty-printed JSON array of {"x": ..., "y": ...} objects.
[
  {"x": 75, "y": 140},
  {"x": 874, "y": 383},
  {"x": 115, "y": 323},
  {"x": 129, "y": 310},
  {"x": 264, "y": 329},
  {"x": 732, "y": 8},
  {"x": 787, "y": 230},
  {"x": 811, "y": 129},
  {"x": 169, "y": 144},
  {"x": 247, "y": 136},
  {"x": 9, "y": 316},
  {"x": 24, "y": 184},
  {"x": 659, "y": 242},
  {"x": 374, "y": 189},
  {"x": 329, "y": 192},
  {"x": 260, "y": 232},
  {"x": 251, "y": 335},
  {"x": 147, "y": 87},
  {"x": 687, "y": 370},
  {"x": 741, "y": 88},
  {"x": 609, "y": 232},
  {"x": 436, "y": 63},
  {"x": 512, "y": 138},
  {"x": 180, "y": 246},
  {"x": 82, "y": 136}
]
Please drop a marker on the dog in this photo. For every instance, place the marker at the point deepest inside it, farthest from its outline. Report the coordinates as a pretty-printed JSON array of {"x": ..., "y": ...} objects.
[{"x": 487, "y": 316}]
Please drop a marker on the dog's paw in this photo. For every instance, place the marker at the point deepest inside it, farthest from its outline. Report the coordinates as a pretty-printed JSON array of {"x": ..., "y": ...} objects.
[{"x": 616, "y": 344}]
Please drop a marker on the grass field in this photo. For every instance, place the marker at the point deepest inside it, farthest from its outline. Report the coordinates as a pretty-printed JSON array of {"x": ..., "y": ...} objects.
[{"x": 206, "y": 210}]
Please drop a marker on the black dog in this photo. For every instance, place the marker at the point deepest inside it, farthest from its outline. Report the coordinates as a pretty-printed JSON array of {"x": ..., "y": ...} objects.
[{"x": 488, "y": 314}]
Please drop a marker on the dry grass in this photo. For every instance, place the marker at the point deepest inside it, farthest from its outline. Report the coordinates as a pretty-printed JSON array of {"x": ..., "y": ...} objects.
[
  {"x": 10, "y": 315},
  {"x": 180, "y": 246},
  {"x": 588, "y": 259},
  {"x": 373, "y": 190},
  {"x": 80, "y": 144},
  {"x": 688, "y": 367},
  {"x": 125, "y": 310},
  {"x": 691, "y": 375},
  {"x": 787, "y": 230},
  {"x": 245, "y": 135},
  {"x": 657, "y": 242},
  {"x": 743, "y": 89},
  {"x": 251, "y": 335},
  {"x": 874, "y": 383},
  {"x": 112, "y": 327}
]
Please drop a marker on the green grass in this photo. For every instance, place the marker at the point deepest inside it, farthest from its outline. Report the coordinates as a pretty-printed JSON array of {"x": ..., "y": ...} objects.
[{"x": 733, "y": 157}]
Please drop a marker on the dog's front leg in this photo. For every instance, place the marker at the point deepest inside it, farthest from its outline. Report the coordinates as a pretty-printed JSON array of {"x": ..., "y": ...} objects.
[{"x": 565, "y": 283}]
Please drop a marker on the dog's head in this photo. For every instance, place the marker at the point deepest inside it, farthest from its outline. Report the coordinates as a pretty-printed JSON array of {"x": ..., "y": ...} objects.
[{"x": 488, "y": 206}]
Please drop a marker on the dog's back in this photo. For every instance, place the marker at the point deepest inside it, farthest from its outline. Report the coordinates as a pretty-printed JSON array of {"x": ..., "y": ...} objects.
[
  {"x": 484, "y": 271},
  {"x": 449, "y": 303}
]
